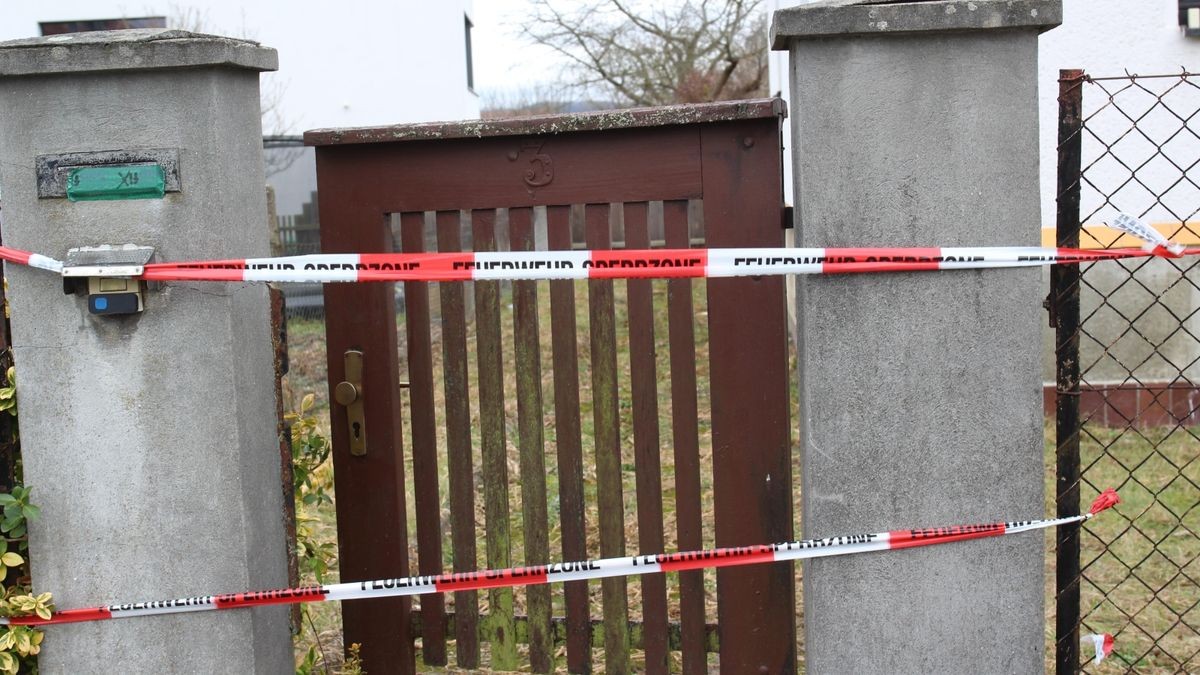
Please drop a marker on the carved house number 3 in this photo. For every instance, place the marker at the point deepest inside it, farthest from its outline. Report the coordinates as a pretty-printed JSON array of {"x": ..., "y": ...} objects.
[{"x": 537, "y": 165}]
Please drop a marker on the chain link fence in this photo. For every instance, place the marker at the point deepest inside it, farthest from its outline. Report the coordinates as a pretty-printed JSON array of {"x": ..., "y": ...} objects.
[{"x": 1128, "y": 353}]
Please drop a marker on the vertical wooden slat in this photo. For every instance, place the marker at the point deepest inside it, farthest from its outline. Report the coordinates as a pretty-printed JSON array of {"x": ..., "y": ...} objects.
[
  {"x": 646, "y": 446},
  {"x": 531, "y": 444},
  {"x": 686, "y": 441},
  {"x": 568, "y": 444},
  {"x": 499, "y": 627},
  {"x": 752, "y": 473},
  {"x": 607, "y": 433},
  {"x": 458, "y": 445},
  {"x": 424, "y": 444}
]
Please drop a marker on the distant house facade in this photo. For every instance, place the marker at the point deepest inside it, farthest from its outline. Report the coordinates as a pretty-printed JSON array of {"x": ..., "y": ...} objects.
[{"x": 1103, "y": 37}]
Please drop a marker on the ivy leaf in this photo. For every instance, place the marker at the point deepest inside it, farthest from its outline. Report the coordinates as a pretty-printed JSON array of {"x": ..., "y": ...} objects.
[{"x": 11, "y": 559}]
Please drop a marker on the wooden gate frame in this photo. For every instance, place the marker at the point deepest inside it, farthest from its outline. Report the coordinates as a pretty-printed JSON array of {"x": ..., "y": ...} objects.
[{"x": 729, "y": 155}]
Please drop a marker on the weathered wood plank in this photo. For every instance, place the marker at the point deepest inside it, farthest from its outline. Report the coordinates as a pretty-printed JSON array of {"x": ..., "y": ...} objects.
[
  {"x": 752, "y": 471},
  {"x": 424, "y": 440},
  {"x": 458, "y": 445},
  {"x": 531, "y": 444},
  {"x": 607, "y": 433},
  {"x": 685, "y": 439},
  {"x": 646, "y": 445},
  {"x": 499, "y": 626},
  {"x": 568, "y": 444},
  {"x": 372, "y": 527}
]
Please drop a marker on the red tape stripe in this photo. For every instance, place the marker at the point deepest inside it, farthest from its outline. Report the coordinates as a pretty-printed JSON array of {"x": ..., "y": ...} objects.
[
  {"x": 283, "y": 596},
  {"x": 882, "y": 260},
  {"x": 64, "y": 616},
  {"x": 669, "y": 263},
  {"x": 14, "y": 255},
  {"x": 468, "y": 581},
  {"x": 721, "y": 557},
  {"x": 941, "y": 535}
]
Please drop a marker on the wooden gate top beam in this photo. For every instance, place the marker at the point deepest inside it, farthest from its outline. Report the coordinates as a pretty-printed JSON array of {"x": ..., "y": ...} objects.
[{"x": 601, "y": 120}]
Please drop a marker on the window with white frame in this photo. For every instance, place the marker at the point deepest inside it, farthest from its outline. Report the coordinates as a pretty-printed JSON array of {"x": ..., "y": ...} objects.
[{"x": 1189, "y": 17}]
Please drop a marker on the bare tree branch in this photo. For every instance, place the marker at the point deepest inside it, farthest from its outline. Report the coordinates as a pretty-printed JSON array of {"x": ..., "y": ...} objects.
[
  {"x": 651, "y": 52},
  {"x": 274, "y": 123}
]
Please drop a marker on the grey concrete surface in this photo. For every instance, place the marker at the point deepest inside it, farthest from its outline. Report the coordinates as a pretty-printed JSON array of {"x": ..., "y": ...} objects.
[
  {"x": 831, "y": 18},
  {"x": 150, "y": 440},
  {"x": 920, "y": 393},
  {"x": 126, "y": 50}
]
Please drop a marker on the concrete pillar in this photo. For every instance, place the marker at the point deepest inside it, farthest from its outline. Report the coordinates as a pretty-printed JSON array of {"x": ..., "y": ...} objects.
[
  {"x": 915, "y": 124},
  {"x": 150, "y": 439}
]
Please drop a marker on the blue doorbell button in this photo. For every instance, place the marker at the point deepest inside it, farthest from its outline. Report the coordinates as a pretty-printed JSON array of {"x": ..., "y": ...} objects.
[{"x": 114, "y": 303}]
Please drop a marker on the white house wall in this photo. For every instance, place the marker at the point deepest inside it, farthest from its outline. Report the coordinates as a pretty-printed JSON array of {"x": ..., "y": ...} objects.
[{"x": 1103, "y": 37}]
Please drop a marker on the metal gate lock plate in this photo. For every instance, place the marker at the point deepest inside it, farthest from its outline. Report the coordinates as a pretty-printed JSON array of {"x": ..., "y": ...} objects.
[
  {"x": 111, "y": 275},
  {"x": 349, "y": 394}
]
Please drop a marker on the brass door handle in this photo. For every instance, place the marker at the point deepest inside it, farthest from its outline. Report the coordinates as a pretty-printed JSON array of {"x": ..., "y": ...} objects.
[{"x": 349, "y": 394}]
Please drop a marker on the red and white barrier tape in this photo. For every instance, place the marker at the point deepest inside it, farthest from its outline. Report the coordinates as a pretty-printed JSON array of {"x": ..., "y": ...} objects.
[
  {"x": 626, "y": 264},
  {"x": 631, "y": 264},
  {"x": 572, "y": 571},
  {"x": 1103, "y": 644}
]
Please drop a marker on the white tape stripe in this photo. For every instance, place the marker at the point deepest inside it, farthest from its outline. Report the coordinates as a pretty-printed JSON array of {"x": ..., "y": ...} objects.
[
  {"x": 845, "y": 549},
  {"x": 1098, "y": 644},
  {"x": 301, "y": 276},
  {"x": 44, "y": 263},
  {"x": 963, "y": 258},
  {"x": 118, "y": 613},
  {"x": 310, "y": 261},
  {"x": 531, "y": 265},
  {"x": 1014, "y": 528},
  {"x": 738, "y": 262}
]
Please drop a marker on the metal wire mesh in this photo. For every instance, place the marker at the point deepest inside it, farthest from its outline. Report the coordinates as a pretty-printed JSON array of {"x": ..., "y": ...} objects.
[{"x": 1139, "y": 361}]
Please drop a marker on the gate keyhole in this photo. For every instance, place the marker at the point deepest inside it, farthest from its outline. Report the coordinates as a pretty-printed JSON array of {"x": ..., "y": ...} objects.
[{"x": 357, "y": 430}]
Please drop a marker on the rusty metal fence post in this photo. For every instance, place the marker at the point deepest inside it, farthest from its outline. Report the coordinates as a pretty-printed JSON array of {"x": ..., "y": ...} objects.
[
  {"x": 1064, "y": 318},
  {"x": 1128, "y": 373}
]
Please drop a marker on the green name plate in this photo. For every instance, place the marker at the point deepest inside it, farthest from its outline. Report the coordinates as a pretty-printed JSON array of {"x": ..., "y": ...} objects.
[{"x": 130, "y": 181}]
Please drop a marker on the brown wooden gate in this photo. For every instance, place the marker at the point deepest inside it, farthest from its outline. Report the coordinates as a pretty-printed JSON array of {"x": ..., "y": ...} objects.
[{"x": 677, "y": 176}]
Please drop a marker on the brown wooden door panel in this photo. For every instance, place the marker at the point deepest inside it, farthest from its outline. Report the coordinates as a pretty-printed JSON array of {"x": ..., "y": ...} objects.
[{"x": 509, "y": 391}]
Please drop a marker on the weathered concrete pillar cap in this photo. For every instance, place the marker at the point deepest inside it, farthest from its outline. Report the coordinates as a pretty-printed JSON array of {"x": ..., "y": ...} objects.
[
  {"x": 126, "y": 50},
  {"x": 832, "y": 18}
]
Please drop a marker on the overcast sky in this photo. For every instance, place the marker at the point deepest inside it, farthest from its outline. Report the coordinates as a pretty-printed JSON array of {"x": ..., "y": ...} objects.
[{"x": 504, "y": 61}]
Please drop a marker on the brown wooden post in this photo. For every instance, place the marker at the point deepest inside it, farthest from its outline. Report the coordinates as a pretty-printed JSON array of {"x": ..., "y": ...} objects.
[
  {"x": 752, "y": 476},
  {"x": 372, "y": 529}
]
